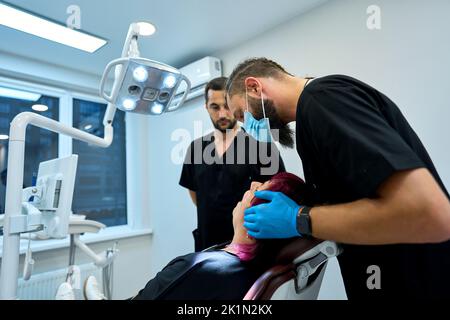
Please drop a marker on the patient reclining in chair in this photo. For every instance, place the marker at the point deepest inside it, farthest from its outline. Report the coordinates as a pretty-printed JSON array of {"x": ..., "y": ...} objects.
[{"x": 225, "y": 273}]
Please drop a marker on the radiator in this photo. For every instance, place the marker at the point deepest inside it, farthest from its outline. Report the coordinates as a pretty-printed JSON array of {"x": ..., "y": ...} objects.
[{"x": 43, "y": 286}]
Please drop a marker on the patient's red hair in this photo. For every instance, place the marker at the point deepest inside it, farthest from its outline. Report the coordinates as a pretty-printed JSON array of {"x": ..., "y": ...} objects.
[
  {"x": 289, "y": 184},
  {"x": 296, "y": 189}
]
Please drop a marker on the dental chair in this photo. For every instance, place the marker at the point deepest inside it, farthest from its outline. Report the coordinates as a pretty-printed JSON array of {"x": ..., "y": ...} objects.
[
  {"x": 298, "y": 271},
  {"x": 79, "y": 225}
]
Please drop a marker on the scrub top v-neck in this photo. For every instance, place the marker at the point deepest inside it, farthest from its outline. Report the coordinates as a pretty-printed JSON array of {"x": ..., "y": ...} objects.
[{"x": 220, "y": 184}]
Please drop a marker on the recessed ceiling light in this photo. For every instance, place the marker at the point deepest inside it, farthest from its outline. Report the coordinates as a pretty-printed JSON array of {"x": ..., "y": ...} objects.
[
  {"x": 146, "y": 28},
  {"x": 4, "y": 137},
  {"x": 19, "y": 94},
  {"x": 40, "y": 27},
  {"x": 88, "y": 127},
  {"x": 39, "y": 107}
]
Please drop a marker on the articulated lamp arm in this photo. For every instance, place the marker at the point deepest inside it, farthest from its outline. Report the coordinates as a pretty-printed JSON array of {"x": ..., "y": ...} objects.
[{"x": 13, "y": 206}]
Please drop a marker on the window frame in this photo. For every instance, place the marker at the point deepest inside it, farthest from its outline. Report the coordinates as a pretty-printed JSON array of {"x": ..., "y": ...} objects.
[
  {"x": 135, "y": 226},
  {"x": 87, "y": 97}
]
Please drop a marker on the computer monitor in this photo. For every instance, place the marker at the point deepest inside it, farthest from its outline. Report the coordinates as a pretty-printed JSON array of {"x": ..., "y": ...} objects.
[{"x": 57, "y": 179}]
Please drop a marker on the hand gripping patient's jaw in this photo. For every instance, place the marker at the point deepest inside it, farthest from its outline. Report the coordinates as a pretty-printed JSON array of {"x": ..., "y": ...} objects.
[{"x": 240, "y": 233}]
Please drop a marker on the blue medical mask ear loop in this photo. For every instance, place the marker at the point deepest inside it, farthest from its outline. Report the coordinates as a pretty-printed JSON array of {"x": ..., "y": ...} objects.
[
  {"x": 259, "y": 129},
  {"x": 264, "y": 112},
  {"x": 246, "y": 98},
  {"x": 262, "y": 103}
]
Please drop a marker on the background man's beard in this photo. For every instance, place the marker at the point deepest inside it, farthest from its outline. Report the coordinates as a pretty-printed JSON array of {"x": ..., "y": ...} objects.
[
  {"x": 285, "y": 134},
  {"x": 224, "y": 130}
]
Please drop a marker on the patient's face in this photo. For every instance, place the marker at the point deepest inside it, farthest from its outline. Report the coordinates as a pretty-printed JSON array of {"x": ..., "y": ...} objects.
[{"x": 238, "y": 212}]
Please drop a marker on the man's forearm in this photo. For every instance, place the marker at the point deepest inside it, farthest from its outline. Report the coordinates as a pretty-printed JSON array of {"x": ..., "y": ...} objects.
[
  {"x": 411, "y": 209},
  {"x": 359, "y": 222}
]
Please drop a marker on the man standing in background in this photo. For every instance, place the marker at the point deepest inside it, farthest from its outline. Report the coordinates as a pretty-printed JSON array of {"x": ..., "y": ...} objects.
[{"x": 216, "y": 186}]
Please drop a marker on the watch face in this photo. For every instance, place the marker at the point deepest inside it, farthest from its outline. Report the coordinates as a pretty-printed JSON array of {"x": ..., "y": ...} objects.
[{"x": 304, "y": 225}]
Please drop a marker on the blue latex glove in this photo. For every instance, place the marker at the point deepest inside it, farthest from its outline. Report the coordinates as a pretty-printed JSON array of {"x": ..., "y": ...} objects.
[{"x": 274, "y": 220}]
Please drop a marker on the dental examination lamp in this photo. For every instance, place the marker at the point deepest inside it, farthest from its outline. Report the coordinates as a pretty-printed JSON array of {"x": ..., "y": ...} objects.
[{"x": 140, "y": 85}]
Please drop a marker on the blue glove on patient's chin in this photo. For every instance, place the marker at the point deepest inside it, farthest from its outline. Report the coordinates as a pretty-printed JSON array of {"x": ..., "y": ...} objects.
[{"x": 274, "y": 220}]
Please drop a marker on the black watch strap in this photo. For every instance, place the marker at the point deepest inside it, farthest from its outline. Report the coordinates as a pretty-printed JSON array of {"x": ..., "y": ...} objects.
[{"x": 304, "y": 222}]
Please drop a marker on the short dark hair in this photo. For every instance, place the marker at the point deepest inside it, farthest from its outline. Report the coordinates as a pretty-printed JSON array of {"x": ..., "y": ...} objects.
[
  {"x": 217, "y": 84},
  {"x": 253, "y": 67}
]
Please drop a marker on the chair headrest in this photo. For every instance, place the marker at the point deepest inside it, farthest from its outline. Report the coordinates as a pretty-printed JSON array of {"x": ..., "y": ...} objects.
[
  {"x": 295, "y": 248},
  {"x": 282, "y": 271},
  {"x": 269, "y": 282}
]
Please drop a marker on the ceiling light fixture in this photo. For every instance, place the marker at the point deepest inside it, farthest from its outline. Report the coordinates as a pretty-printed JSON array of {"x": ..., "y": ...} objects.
[
  {"x": 39, "y": 107},
  {"x": 26, "y": 22},
  {"x": 19, "y": 94}
]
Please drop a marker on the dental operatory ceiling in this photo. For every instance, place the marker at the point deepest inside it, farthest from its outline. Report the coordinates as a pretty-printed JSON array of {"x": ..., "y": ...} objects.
[{"x": 186, "y": 29}]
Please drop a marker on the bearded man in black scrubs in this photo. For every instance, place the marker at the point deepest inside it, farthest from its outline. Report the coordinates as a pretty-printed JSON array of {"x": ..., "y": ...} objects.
[
  {"x": 382, "y": 196},
  {"x": 220, "y": 167}
]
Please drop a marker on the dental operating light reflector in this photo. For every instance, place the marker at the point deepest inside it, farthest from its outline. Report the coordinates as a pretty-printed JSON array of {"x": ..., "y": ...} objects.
[
  {"x": 140, "y": 74},
  {"x": 23, "y": 21},
  {"x": 157, "y": 108},
  {"x": 143, "y": 86},
  {"x": 170, "y": 82},
  {"x": 129, "y": 104}
]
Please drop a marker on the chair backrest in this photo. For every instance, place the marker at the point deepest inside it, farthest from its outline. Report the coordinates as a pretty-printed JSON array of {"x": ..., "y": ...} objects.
[{"x": 298, "y": 272}]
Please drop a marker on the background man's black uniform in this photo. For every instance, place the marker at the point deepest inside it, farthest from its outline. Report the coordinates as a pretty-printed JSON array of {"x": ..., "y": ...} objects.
[{"x": 220, "y": 186}]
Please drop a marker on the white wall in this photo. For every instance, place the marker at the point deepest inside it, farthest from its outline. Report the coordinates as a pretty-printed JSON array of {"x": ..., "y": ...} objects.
[
  {"x": 17, "y": 67},
  {"x": 407, "y": 60},
  {"x": 173, "y": 214}
]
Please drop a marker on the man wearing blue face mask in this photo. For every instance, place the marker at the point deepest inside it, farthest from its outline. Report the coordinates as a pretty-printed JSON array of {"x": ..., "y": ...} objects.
[
  {"x": 220, "y": 166},
  {"x": 258, "y": 129},
  {"x": 383, "y": 198}
]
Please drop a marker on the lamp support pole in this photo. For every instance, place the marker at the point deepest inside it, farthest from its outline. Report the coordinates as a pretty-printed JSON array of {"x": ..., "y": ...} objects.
[{"x": 130, "y": 49}]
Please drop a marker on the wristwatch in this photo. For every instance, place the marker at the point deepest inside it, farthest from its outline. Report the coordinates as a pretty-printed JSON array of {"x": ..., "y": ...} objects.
[{"x": 304, "y": 222}]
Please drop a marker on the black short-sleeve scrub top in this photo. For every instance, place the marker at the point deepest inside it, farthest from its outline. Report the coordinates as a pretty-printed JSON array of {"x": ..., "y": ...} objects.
[
  {"x": 220, "y": 182},
  {"x": 351, "y": 138}
]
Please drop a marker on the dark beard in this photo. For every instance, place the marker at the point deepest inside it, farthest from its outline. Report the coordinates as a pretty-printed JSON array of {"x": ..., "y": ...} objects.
[
  {"x": 224, "y": 130},
  {"x": 280, "y": 130}
]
